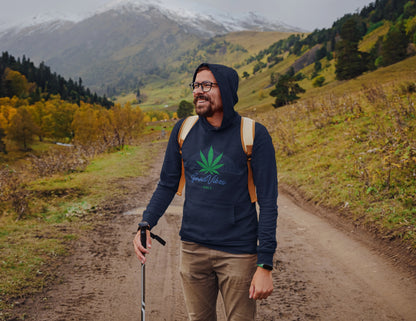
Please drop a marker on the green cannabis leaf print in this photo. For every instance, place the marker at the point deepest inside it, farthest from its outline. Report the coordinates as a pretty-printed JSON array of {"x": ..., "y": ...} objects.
[{"x": 210, "y": 165}]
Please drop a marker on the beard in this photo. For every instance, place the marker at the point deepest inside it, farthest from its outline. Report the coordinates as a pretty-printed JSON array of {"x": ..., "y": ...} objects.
[{"x": 204, "y": 111}]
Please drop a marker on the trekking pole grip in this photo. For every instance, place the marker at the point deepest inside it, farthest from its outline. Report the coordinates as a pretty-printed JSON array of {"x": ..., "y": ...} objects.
[
  {"x": 143, "y": 227},
  {"x": 143, "y": 238}
]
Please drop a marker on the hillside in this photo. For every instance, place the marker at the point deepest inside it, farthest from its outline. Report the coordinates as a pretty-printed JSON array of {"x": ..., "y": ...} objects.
[
  {"x": 231, "y": 49},
  {"x": 352, "y": 148}
]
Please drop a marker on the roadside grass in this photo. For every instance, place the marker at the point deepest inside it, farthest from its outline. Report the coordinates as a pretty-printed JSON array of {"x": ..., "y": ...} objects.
[
  {"x": 354, "y": 152},
  {"x": 62, "y": 207},
  {"x": 27, "y": 248}
]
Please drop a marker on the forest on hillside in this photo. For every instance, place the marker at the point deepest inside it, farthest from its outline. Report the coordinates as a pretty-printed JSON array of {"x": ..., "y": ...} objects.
[
  {"x": 342, "y": 39},
  {"x": 21, "y": 78},
  {"x": 34, "y": 102},
  {"x": 38, "y": 106},
  {"x": 341, "y": 43},
  {"x": 386, "y": 27}
]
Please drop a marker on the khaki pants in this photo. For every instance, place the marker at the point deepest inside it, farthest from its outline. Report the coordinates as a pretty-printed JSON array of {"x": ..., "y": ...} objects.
[{"x": 204, "y": 272}]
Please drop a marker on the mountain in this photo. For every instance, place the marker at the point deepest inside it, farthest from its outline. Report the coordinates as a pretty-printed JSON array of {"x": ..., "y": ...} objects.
[{"x": 126, "y": 42}]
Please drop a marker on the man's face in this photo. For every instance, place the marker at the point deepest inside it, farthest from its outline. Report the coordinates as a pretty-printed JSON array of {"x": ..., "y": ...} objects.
[{"x": 207, "y": 103}]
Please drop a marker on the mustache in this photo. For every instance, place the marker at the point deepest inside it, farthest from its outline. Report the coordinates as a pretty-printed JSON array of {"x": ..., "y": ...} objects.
[{"x": 201, "y": 96}]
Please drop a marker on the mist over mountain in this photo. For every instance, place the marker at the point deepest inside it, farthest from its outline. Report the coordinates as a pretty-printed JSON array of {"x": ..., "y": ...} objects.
[{"x": 125, "y": 40}]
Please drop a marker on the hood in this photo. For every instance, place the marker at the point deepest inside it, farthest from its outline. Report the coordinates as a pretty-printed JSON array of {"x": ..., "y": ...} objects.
[{"x": 227, "y": 79}]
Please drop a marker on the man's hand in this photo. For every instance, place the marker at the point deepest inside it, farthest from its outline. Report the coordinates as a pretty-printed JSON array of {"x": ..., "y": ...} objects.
[
  {"x": 261, "y": 285},
  {"x": 139, "y": 249}
]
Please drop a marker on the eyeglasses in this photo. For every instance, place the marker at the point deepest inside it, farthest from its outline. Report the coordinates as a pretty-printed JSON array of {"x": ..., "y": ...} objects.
[{"x": 205, "y": 85}]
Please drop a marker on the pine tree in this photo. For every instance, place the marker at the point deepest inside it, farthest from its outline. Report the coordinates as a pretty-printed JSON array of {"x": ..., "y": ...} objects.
[
  {"x": 286, "y": 90},
  {"x": 394, "y": 47},
  {"x": 350, "y": 62},
  {"x": 185, "y": 109}
]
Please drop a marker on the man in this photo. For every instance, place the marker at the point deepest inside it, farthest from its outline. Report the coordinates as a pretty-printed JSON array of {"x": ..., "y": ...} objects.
[{"x": 222, "y": 236}]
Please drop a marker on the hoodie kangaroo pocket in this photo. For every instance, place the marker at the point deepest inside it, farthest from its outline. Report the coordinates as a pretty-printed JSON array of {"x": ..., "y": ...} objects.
[{"x": 207, "y": 222}]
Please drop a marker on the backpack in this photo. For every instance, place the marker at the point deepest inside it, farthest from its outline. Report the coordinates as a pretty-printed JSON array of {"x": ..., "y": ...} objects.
[{"x": 247, "y": 131}]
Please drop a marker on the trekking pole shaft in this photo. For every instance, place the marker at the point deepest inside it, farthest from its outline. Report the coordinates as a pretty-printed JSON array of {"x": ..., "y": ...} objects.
[{"x": 143, "y": 239}]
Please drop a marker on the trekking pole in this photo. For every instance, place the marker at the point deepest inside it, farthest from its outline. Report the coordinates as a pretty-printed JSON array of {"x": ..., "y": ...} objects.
[
  {"x": 143, "y": 227},
  {"x": 143, "y": 239}
]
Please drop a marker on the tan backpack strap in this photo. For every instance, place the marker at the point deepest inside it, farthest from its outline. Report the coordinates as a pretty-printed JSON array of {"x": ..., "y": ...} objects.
[
  {"x": 186, "y": 127},
  {"x": 247, "y": 140},
  {"x": 181, "y": 181}
]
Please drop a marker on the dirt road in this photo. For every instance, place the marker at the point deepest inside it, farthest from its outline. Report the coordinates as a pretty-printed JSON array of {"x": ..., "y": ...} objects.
[{"x": 321, "y": 272}]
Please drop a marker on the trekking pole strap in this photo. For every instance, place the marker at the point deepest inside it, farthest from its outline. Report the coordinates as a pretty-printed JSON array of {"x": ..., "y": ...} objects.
[
  {"x": 146, "y": 226},
  {"x": 158, "y": 238}
]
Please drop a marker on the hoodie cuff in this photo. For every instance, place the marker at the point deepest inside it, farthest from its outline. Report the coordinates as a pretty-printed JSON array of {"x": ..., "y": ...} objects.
[{"x": 265, "y": 258}]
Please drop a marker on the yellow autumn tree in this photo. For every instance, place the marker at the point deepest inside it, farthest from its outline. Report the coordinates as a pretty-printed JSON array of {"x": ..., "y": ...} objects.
[
  {"x": 147, "y": 118},
  {"x": 42, "y": 118},
  {"x": 126, "y": 122},
  {"x": 157, "y": 115},
  {"x": 91, "y": 125},
  {"x": 22, "y": 128},
  {"x": 6, "y": 114},
  {"x": 12, "y": 102},
  {"x": 16, "y": 84},
  {"x": 7, "y": 111},
  {"x": 58, "y": 118}
]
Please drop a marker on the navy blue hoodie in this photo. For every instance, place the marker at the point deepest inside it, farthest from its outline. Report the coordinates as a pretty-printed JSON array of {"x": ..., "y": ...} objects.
[{"x": 218, "y": 212}]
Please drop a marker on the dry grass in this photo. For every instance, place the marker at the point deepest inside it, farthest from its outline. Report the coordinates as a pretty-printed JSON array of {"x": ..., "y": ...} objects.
[
  {"x": 57, "y": 207},
  {"x": 355, "y": 153}
]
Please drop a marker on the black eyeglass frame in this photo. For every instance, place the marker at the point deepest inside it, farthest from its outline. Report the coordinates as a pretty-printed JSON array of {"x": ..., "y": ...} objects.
[{"x": 205, "y": 85}]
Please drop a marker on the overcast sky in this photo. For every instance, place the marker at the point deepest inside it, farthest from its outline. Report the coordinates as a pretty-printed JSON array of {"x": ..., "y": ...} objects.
[{"x": 306, "y": 14}]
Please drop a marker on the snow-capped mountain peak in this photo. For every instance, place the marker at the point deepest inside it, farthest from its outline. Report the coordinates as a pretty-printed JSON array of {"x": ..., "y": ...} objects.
[
  {"x": 129, "y": 5},
  {"x": 200, "y": 18},
  {"x": 42, "y": 19}
]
